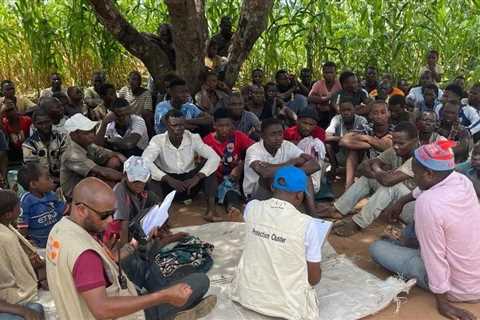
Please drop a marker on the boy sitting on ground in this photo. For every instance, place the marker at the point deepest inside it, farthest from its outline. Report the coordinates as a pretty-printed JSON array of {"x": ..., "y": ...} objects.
[
  {"x": 309, "y": 137},
  {"x": 45, "y": 146},
  {"x": 451, "y": 129},
  {"x": 341, "y": 124},
  {"x": 195, "y": 119},
  {"x": 41, "y": 208},
  {"x": 389, "y": 176},
  {"x": 231, "y": 146},
  {"x": 123, "y": 131},
  {"x": 371, "y": 139},
  {"x": 266, "y": 156},
  {"x": 20, "y": 273},
  {"x": 132, "y": 197}
]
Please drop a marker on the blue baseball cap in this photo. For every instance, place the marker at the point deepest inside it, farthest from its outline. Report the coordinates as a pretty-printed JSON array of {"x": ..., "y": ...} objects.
[{"x": 290, "y": 179}]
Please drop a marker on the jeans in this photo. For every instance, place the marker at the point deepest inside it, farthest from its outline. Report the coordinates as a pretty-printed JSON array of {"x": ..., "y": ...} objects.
[
  {"x": 405, "y": 262},
  {"x": 147, "y": 275},
  {"x": 381, "y": 198},
  {"x": 33, "y": 306}
]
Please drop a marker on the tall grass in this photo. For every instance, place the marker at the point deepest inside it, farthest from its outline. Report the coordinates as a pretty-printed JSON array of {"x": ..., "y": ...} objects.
[{"x": 42, "y": 36}]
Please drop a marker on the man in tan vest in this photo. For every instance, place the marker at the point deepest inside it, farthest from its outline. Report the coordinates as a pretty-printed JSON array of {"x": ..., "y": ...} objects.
[
  {"x": 281, "y": 261},
  {"x": 85, "y": 279}
]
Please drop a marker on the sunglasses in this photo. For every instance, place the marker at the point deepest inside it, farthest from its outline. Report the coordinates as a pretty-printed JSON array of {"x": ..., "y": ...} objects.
[{"x": 103, "y": 215}]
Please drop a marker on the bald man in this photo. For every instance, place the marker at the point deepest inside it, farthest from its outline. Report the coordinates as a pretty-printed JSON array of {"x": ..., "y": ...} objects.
[{"x": 87, "y": 282}]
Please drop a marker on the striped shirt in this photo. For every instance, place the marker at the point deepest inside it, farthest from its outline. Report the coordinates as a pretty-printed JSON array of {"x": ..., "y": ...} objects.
[{"x": 139, "y": 103}]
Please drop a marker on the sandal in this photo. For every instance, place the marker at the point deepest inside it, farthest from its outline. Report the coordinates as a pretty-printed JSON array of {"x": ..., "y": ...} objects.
[{"x": 346, "y": 228}]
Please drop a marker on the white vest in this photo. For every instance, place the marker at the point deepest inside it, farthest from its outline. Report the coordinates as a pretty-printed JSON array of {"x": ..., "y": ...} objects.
[{"x": 272, "y": 276}]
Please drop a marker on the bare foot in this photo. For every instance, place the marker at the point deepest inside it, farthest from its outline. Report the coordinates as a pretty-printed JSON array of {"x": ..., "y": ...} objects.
[
  {"x": 346, "y": 228},
  {"x": 234, "y": 214},
  {"x": 327, "y": 211},
  {"x": 212, "y": 216}
]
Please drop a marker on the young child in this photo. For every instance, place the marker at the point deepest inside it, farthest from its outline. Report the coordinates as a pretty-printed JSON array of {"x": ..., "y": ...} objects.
[
  {"x": 41, "y": 208},
  {"x": 132, "y": 198},
  {"x": 309, "y": 137},
  {"x": 21, "y": 269},
  {"x": 230, "y": 145}
]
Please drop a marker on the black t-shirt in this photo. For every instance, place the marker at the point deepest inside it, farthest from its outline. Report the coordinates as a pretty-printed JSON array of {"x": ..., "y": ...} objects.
[{"x": 358, "y": 97}]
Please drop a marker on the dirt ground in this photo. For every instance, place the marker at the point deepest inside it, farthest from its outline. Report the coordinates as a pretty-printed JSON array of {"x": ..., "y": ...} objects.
[{"x": 419, "y": 305}]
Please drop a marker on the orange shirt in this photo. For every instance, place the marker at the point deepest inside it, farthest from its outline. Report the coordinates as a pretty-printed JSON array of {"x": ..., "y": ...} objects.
[{"x": 395, "y": 92}]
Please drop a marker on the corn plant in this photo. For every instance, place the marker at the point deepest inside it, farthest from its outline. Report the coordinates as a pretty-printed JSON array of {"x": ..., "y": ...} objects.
[{"x": 42, "y": 36}]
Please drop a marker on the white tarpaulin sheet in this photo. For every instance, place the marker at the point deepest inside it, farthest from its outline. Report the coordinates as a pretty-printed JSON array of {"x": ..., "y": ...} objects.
[{"x": 345, "y": 291}]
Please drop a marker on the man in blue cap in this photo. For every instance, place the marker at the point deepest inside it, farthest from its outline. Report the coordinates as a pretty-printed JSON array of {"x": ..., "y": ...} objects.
[{"x": 281, "y": 260}]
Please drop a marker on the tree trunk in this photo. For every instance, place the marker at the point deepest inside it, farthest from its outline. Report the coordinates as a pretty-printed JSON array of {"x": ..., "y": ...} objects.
[
  {"x": 252, "y": 22},
  {"x": 190, "y": 32}
]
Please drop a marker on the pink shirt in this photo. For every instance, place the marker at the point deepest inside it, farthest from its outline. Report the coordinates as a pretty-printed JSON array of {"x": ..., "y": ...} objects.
[
  {"x": 447, "y": 218},
  {"x": 319, "y": 88}
]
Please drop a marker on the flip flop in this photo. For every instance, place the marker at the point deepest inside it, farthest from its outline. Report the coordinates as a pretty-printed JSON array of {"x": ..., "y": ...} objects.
[{"x": 346, "y": 228}]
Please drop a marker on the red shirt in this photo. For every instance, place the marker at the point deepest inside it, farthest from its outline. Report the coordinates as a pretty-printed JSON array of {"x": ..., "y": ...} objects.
[
  {"x": 89, "y": 272},
  {"x": 292, "y": 134},
  {"x": 237, "y": 147},
  {"x": 17, "y": 137}
]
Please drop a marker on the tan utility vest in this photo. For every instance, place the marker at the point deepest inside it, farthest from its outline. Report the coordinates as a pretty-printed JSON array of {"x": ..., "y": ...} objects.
[
  {"x": 272, "y": 276},
  {"x": 66, "y": 242},
  {"x": 18, "y": 281}
]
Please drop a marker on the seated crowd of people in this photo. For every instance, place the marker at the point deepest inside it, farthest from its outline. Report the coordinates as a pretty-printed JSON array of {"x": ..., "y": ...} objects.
[{"x": 86, "y": 165}]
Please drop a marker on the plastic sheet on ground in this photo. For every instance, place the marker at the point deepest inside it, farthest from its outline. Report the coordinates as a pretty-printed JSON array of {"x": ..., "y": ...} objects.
[{"x": 345, "y": 291}]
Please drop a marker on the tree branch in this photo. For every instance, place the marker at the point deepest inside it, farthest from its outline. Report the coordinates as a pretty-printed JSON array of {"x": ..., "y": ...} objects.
[
  {"x": 252, "y": 22},
  {"x": 135, "y": 42}
]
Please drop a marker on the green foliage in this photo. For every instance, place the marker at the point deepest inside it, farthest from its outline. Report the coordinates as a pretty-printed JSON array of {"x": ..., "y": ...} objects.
[{"x": 42, "y": 36}]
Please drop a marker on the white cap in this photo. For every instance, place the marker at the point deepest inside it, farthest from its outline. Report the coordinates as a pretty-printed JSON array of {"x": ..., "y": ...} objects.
[
  {"x": 136, "y": 169},
  {"x": 79, "y": 122}
]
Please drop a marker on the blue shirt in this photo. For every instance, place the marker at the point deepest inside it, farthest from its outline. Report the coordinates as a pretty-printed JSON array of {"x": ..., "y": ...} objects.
[
  {"x": 40, "y": 214},
  {"x": 189, "y": 110}
]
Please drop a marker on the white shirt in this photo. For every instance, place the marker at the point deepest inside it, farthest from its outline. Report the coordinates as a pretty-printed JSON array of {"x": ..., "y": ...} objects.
[
  {"x": 415, "y": 95},
  {"x": 60, "y": 127},
  {"x": 163, "y": 157},
  {"x": 313, "y": 241},
  {"x": 136, "y": 125},
  {"x": 257, "y": 152},
  {"x": 337, "y": 126},
  {"x": 470, "y": 113}
]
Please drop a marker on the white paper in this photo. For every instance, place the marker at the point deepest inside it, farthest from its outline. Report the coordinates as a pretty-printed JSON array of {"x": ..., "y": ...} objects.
[
  {"x": 323, "y": 227},
  {"x": 157, "y": 215}
]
